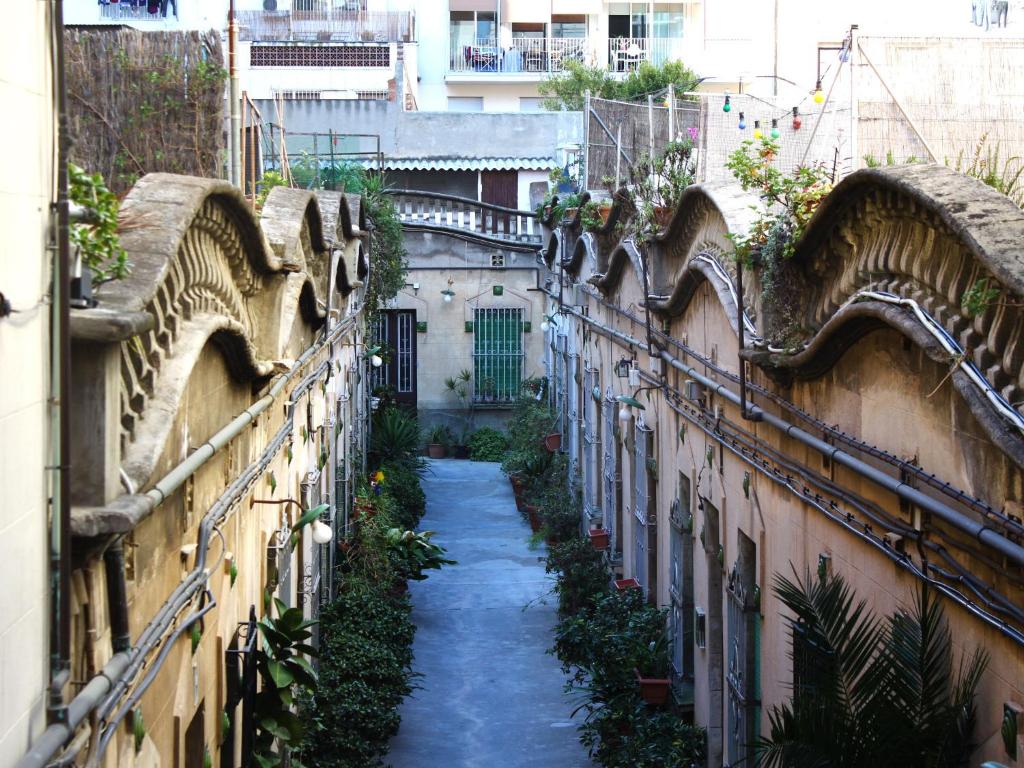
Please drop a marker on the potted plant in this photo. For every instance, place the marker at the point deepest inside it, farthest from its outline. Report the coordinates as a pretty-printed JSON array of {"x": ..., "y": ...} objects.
[
  {"x": 659, "y": 183},
  {"x": 553, "y": 442},
  {"x": 599, "y": 537},
  {"x": 651, "y": 672},
  {"x": 594, "y": 215},
  {"x": 438, "y": 440},
  {"x": 458, "y": 386},
  {"x": 533, "y": 515}
]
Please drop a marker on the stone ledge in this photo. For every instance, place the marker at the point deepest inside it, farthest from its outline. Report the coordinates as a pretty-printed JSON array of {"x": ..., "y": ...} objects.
[
  {"x": 110, "y": 325},
  {"x": 119, "y": 516}
]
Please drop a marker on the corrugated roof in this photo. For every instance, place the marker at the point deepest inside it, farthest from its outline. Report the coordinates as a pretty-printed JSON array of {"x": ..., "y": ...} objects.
[{"x": 469, "y": 163}]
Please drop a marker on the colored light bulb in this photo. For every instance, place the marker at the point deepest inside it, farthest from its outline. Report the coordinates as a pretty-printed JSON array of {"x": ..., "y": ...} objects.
[
  {"x": 727, "y": 106},
  {"x": 775, "y": 128},
  {"x": 819, "y": 95},
  {"x": 757, "y": 129},
  {"x": 743, "y": 122},
  {"x": 797, "y": 122}
]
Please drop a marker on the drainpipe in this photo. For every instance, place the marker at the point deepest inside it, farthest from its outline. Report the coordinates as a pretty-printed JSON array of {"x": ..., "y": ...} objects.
[
  {"x": 60, "y": 357},
  {"x": 234, "y": 96},
  {"x": 117, "y": 597}
]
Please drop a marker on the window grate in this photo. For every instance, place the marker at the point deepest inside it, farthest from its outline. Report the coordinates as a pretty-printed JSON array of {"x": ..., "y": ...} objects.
[
  {"x": 497, "y": 354},
  {"x": 285, "y": 55},
  {"x": 378, "y": 95},
  {"x": 405, "y": 331},
  {"x": 299, "y": 95}
]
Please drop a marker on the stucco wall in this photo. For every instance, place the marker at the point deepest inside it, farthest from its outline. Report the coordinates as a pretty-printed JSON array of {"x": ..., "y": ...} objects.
[{"x": 25, "y": 76}]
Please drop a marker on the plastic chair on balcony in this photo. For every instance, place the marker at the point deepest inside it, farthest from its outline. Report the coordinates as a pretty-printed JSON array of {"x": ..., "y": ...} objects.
[{"x": 633, "y": 56}]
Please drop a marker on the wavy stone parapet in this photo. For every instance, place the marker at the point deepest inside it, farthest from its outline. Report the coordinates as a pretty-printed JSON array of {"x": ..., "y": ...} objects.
[
  {"x": 206, "y": 269},
  {"x": 920, "y": 232}
]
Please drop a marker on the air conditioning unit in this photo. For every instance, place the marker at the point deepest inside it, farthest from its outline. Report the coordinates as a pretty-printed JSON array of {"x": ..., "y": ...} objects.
[{"x": 693, "y": 390}]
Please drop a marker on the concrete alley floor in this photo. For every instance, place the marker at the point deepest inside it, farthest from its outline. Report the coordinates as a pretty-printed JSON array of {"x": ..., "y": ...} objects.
[{"x": 489, "y": 696}]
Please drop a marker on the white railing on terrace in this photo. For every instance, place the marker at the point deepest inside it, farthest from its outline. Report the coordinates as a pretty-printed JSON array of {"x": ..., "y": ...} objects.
[
  {"x": 327, "y": 26},
  {"x": 626, "y": 53},
  {"x": 492, "y": 222},
  {"x": 525, "y": 54},
  {"x": 137, "y": 11}
]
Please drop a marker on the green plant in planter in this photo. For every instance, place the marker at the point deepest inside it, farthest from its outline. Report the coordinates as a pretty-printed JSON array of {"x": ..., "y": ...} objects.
[
  {"x": 441, "y": 434},
  {"x": 459, "y": 387},
  {"x": 97, "y": 240},
  {"x": 285, "y": 672},
  {"x": 590, "y": 216},
  {"x": 789, "y": 201},
  {"x": 414, "y": 553},
  {"x": 658, "y": 185},
  {"x": 583, "y": 575}
]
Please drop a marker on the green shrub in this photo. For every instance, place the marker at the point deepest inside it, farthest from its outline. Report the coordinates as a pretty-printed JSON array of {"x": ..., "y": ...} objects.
[
  {"x": 487, "y": 444},
  {"x": 365, "y": 639},
  {"x": 402, "y": 484},
  {"x": 561, "y": 511},
  {"x": 394, "y": 438},
  {"x": 583, "y": 574}
]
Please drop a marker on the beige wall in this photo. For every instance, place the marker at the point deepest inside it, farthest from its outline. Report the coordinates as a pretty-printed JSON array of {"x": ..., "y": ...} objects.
[
  {"x": 885, "y": 391},
  {"x": 25, "y": 195},
  {"x": 446, "y": 348}
]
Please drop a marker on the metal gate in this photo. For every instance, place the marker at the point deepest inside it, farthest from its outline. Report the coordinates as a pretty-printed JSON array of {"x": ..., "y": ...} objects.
[
  {"x": 573, "y": 396},
  {"x": 641, "y": 499},
  {"x": 741, "y": 673},
  {"x": 681, "y": 584},
  {"x": 609, "y": 472},
  {"x": 591, "y": 395},
  {"x": 240, "y": 679}
]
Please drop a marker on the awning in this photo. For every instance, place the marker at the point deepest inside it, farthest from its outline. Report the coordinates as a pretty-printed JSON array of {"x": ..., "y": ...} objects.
[{"x": 467, "y": 163}]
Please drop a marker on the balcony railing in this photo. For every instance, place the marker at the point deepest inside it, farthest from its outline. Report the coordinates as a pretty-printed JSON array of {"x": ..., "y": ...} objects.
[
  {"x": 137, "y": 10},
  {"x": 480, "y": 221},
  {"x": 626, "y": 53},
  {"x": 327, "y": 26},
  {"x": 526, "y": 54}
]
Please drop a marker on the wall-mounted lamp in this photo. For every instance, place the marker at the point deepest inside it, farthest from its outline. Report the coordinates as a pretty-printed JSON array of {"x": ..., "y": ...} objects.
[
  {"x": 627, "y": 402},
  {"x": 447, "y": 293},
  {"x": 622, "y": 368},
  {"x": 322, "y": 533},
  {"x": 545, "y": 324},
  {"x": 375, "y": 359}
]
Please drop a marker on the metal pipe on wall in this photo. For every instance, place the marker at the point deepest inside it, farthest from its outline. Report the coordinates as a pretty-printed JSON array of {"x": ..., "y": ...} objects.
[
  {"x": 988, "y": 536},
  {"x": 234, "y": 100},
  {"x": 60, "y": 362}
]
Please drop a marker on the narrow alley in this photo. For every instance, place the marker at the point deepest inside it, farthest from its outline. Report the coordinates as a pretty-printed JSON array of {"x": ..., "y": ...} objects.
[{"x": 489, "y": 694}]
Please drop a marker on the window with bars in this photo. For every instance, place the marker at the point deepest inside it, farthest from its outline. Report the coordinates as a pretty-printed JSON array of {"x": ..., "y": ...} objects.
[
  {"x": 376, "y": 95},
  {"x": 642, "y": 494},
  {"x": 403, "y": 352},
  {"x": 497, "y": 354},
  {"x": 299, "y": 95},
  {"x": 812, "y": 662},
  {"x": 286, "y": 55}
]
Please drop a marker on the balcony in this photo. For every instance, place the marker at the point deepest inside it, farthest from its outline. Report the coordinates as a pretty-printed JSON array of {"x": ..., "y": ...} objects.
[
  {"x": 626, "y": 53},
  {"x": 528, "y": 58},
  {"x": 327, "y": 26}
]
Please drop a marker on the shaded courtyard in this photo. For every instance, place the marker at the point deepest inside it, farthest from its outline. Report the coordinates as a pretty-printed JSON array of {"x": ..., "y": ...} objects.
[{"x": 488, "y": 693}]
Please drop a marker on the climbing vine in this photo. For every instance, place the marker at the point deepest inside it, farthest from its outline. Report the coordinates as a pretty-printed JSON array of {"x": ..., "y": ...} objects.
[{"x": 96, "y": 240}]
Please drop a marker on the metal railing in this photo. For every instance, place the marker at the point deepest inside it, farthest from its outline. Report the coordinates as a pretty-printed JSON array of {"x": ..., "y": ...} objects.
[
  {"x": 526, "y": 54},
  {"x": 137, "y": 10},
  {"x": 626, "y": 53},
  {"x": 327, "y": 26},
  {"x": 463, "y": 215}
]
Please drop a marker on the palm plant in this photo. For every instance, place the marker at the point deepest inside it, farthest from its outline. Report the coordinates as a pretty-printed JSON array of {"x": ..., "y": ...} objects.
[
  {"x": 395, "y": 438},
  {"x": 884, "y": 693}
]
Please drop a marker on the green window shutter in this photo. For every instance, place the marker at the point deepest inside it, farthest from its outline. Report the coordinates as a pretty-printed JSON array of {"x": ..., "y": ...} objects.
[{"x": 497, "y": 354}]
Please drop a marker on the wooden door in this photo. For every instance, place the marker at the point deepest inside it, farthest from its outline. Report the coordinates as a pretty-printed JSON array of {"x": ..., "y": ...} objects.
[
  {"x": 500, "y": 188},
  {"x": 395, "y": 332}
]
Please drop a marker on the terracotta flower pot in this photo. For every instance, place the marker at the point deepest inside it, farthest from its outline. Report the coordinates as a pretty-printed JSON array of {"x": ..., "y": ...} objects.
[
  {"x": 599, "y": 538},
  {"x": 435, "y": 450},
  {"x": 662, "y": 216},
  {"x": 553, "y": 442},
  {"x": 604, "y": 211},
  {"x": 653, "y": 690},
  {"x": 533, "y": 513},
  {"x": 623, "y": 584}
]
